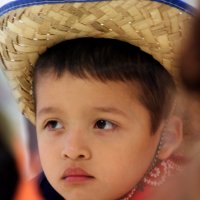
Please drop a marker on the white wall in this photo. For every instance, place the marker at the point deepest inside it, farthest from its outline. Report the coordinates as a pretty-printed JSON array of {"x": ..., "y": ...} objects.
[{"x": 193, "y": 3}]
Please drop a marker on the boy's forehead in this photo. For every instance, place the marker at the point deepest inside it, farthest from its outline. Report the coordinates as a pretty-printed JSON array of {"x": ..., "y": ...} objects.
[
  {"x": 67, "y": 81},
  {"x": 77, "y": 98}
]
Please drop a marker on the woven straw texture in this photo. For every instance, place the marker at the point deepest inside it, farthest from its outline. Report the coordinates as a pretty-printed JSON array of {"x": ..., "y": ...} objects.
[{"x": 27, "y": 32}]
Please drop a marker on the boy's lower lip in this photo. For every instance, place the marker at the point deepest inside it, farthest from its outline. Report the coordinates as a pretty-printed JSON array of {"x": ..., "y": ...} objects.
[{"x": 78, "y": 179}]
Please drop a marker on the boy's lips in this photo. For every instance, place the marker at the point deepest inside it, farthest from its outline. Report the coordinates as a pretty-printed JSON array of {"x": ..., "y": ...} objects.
[{"x": 75, "y": 175}]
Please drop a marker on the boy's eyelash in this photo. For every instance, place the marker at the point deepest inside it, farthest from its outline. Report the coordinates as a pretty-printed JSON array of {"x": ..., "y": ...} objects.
[
  {"x": 102, "y": 123},
  {"x": 49, "y": 122}
]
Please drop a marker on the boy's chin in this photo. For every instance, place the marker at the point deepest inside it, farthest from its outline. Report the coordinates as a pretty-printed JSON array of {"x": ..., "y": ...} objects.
[
  {"x": 87, "y": 195},
  {"x": 82, "y": 196}
]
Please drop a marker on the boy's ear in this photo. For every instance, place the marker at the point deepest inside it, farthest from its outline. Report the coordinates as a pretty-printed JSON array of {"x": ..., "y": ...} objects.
[{"x": 172, "y": 137}]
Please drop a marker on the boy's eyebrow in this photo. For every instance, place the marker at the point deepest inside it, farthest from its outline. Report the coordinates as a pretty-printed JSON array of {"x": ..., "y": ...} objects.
[
  {"x": 47, "y": 110},
  {"x": 111, "y": 110}
]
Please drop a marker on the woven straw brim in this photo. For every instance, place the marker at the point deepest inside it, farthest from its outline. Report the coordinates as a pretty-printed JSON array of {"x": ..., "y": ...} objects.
[{"x": 27, "y": 32}]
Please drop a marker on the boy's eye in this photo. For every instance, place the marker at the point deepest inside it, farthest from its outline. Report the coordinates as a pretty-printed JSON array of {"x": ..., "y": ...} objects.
[
  {"x": 53, "y": 125},
  {"x": 104, "y": 124}
]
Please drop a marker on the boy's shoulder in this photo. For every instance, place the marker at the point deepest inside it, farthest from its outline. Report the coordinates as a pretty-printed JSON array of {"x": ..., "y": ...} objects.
[{"x": 47, "y": 191}]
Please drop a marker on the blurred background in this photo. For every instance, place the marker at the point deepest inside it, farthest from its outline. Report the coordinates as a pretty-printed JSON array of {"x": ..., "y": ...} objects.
[
  {"x": 19, "y": 160},
  {"x": 24, "y": 132}
]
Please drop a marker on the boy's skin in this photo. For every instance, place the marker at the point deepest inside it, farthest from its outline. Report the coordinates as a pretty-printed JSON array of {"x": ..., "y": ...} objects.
[{"x": 114, "y": 154}]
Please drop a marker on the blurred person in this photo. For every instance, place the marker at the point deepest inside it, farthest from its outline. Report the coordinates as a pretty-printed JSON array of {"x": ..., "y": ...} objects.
[
  {"x": 14, "y": 184},
  {"x": 189, "y": 76},
  {"x": 189, "y": 103},
  {"x": 9, "y": 174},
  {"x": 190, "y": 59}
]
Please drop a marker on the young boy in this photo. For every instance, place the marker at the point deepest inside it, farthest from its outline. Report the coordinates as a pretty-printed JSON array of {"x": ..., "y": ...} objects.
[{"x": 102, "y": 107}]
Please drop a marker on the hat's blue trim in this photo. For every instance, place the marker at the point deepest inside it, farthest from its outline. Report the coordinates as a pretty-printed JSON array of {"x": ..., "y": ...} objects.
[
  {"x": 180, "y": 5},
  {"x": 24, "y": 3}
]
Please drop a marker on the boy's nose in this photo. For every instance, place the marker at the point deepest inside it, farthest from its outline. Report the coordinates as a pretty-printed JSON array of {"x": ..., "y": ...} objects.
[{"x": 76, "y": 148}]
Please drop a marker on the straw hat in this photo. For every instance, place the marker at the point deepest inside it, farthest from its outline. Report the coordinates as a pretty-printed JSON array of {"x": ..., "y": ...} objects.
[{"x": 28, "y": 28}]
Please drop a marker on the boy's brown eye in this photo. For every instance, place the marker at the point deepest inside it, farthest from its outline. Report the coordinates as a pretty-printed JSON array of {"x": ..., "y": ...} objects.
[
  {"x": 53, "y": 124},
  {"x": 104, "y": 124}
]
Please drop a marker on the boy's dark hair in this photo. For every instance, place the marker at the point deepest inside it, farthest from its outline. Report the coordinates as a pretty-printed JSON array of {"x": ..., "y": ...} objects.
[{"x": 112, "y": 60}]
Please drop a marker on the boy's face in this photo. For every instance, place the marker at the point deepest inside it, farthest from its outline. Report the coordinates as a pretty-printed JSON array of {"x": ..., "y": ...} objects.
[{"x": 94, "y": 138}]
